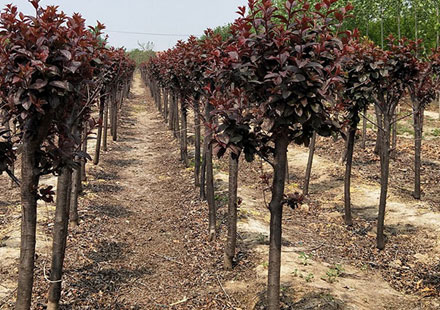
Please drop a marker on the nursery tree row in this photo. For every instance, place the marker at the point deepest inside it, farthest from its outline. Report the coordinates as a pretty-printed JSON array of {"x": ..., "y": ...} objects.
[
  {"x": 55, "y": 73},
  {"x": 287, "y": 71}
]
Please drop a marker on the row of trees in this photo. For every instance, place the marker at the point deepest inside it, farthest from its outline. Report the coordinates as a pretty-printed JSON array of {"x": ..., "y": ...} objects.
[
  {"x": 54, "y": 73},
  {"x": 284, "y": 74}
]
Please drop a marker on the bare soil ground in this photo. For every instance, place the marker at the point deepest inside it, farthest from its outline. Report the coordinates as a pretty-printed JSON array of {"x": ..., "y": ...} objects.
[{"x": 141, "y": 243}]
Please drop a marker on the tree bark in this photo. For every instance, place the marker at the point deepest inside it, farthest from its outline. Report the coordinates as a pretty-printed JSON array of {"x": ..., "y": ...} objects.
[
  {"x": 59, "y": 237},
  {"x": 379, "y": 129},
  {"x": 197, "y": 132},
  {"x": 364, "y": 128},
  {"x": 99, "y": 136},
  {"x": 210, "y": 179},
  {"x": 232, "y": 211},
  {"x": 84, "y": 149},
  {"x": 276, "y": 212},
  {"x": 309, "y": 165},
  {"x": 348, "y": 165},
  {"x": 418, "y": 132},
  {"x": 176, "y": 117},
  {"x": 184, "y": 136},
  {"x": 29, "y": 185},
  {"x": 104, "y": 138},
  {"x": 33, "y": 135},
  {"x": 165, "y": 104},
  {"x": 384, "y": 175},
  {"x": 76, "y": 184}
]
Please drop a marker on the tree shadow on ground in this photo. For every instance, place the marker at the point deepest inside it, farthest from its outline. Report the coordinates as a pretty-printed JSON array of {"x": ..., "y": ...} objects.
[
  {"x": 123, "y": 162},
  {"x": 314, "y": 300},
  {"x": 113, "y": 211}
]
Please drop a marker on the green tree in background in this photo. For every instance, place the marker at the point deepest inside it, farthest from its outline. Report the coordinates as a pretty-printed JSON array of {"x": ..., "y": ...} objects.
[{"x": 143, "y": 53}]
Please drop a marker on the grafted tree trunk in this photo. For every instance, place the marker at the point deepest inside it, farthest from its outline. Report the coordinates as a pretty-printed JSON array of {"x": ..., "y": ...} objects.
[
  {"x": 99, "y": 135},
  {"x": 59, "y": 237},
  {"x": 384, "y": 175},
  {"x": 33, "y": 135},
  {"x": 176, "y": 117},
  {"x": 309, "y": 165},
  {"x": 232, "y": 211},
  {"x": 84, "y": 149},
  {"x": 364, "y": 128},
  {"x": 184, "y": 135},
  {"x": 276, "y": 212},
  {"x": 348, "y": 165},
  {"x": 104, "y": 138},
  {"x": 165, "y": 104},
  {"x": 210, "y": 178},
  {"x": 197, "y": 141},
  {"x": 418, "y": 112},
  {"x": 379, "y": 129},
  {"x": 76, "y": 184}
]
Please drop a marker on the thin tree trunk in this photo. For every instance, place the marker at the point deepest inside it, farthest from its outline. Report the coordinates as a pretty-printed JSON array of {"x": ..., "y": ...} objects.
[
  {"x": 99, "y": 136},
  {"x": 418, "y": 132},
  {"x": 176, "y": 118},
  {"x": 379, "y": 130},
  {"x": 394, "y": 135},
  {"x": 276, "y": 212},
  {"x": 76, "y": 184},
  {"x": 165, "y": 104},
  {"x": 347, "y": 181},
  {"x": 197, "y": 132},
  {"x": 210, "y": 179},
  {"x": 384, "y": 174},
  {"x": 203, "y": 169},
  {"x": 84, "y": 149},
  {"x": 104, "y": 138},
  {"x": 232, "y": 211},
  {"x": 364, "y": 128},
  {"x": 309, "y": 165},
  {"x": 171, "y": 112},
  {"x": 59, "y": 237},
  {"x": 184, "y": 136}
]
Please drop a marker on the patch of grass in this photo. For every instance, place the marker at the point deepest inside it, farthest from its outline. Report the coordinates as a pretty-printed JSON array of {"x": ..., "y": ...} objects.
[
  {"x": 305, "y": 258},
  {"x": 333, "y": 273},
  {"x": 436, "y": 132},
  {"x": 404, "y": 129}
]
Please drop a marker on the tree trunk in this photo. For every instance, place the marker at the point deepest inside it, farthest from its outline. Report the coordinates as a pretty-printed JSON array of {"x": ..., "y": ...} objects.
[
  {"x": 232, "y": 211},
  {"x": 171, "y": 112},
  {"x": 197, "y": 132},
  {"x": 418, "y": 132},
  {"x": 165, "y": 104},
  {"x": 104, "y": 138},
  {"x": 210, "y": 179},
  {"x": 84, "y": 149},
  {"x": 59, "y": 237},
  {"x": 379, "y": 130},
  {"x": 348, "y": 165},
  {"x": 176, "y": 117},
  {"x": 309, "y": 165},
  {"x": 203, "y": 169},
  {"x": 384, "y": 174},
  {"x": 394, "y": 135},
  {"x": 184, "y": 136},
  {"x": 364, "y": 128},
  {"x": 76, "y": 184},
  {"x": 99, "y": 136},
  {"x": 276, "y": 212},
  {"x": 29, "y": 186}
]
